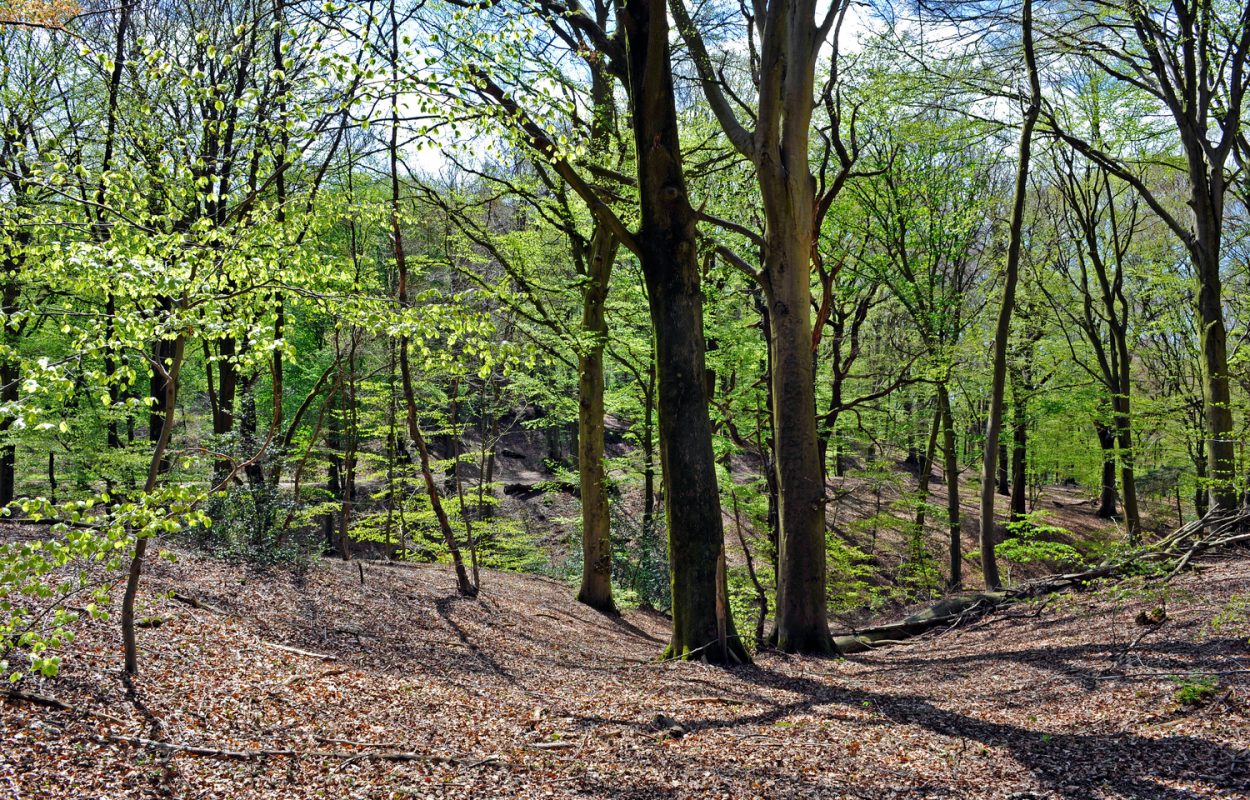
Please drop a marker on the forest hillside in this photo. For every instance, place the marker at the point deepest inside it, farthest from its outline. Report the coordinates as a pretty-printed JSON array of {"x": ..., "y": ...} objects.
[
  {"x": 624, "y": 398},
  {"x": 375, "y": 680}
]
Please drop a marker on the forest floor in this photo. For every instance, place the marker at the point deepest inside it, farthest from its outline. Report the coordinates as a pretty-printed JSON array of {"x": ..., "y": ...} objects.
[{"x": 407, "y": 691}]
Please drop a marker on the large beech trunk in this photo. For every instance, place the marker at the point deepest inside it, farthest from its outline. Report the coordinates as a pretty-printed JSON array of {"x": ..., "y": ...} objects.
[
  {"x": 787, "y": 82},
  {"x": 596, "y": 589},
  {"x": 702, "y": 625},
  {"x": 1221, "y": 452},
  {"x": 802, "y": 624}
]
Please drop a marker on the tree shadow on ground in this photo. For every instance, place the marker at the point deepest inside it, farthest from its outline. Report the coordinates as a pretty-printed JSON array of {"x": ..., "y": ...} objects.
[
  {"x": 1070, "y": 765},
  {"x": 443, "y": 606},
  {"x": 1073, "y": 766},
  {"x": 1164, "y": 656}
]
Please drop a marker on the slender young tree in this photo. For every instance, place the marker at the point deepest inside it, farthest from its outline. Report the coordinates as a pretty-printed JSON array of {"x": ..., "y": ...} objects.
[
  {"x": 464, "y": 585},
  {"x": 1002, "y": 329}
]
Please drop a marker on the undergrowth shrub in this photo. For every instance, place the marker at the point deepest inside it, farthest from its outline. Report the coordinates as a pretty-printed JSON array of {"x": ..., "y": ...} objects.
[
  {"x": 1195, "y": 689},
  {"x": 1029, "y": 542},
  {"x": 639, "y": 561}
]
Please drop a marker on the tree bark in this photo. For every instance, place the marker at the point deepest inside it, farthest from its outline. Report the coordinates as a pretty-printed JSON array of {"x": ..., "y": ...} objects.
[
  {"x": 802, "y": 624},
  {"x": 156, "y": 466},
  {"x": 1004, "y": 480},
  {"x": 993, "y": 428},
  {"x": 463, "y": 584},
  {"x": 596, "y": 589},
  {"x": 10, "y": 378},
  {"x": 1107, "y": 494},
  {"x": 1019, "y": 454},
  {"x": 926, "y": 470},
  {"x": 702, "y": 627},
  {"x": 950, "y": 468}
]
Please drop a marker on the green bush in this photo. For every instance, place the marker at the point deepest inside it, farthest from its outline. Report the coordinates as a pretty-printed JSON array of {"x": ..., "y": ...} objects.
[{"x": 1027, "y": 544}]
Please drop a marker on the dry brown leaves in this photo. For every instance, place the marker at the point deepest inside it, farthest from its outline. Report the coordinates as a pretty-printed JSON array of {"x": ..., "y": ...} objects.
[
  {"x": 38, "y": 13},
  {"x": 524, "y": 693}
]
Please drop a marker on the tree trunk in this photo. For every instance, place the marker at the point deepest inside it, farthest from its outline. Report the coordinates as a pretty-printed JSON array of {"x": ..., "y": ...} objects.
[
  {"x": 1221, "y": 455},
  {"x": 993, "y": 427},
  {"x": 926, "y": 471},
  {"x": 648, "y": 452},
  {"x": 1124, "y": 436},
  {"x": 1019, "y": 456},
  {"x": 10, "y": 377},
  {"x": 352, "y": 435},
  {"x": 1201, "y": 494},
  {"x": 1107, "y": 494},
  {"x": 227, "y": 388},
  {"x": 463, "y": 584},
  {"x": 1004, "y": 482},
  {"x": 596, "y": 589},
  {"x": 334, "y": 472},
  {"x": 160, "y": 411},
  {"x": 702, "y": 627},
  {"x": 950, "y": 467},
  {"x": 254, "y": 470},
  {"x": 156, "y": 466},
  {"x": 802, "y": 624},
  {"x": 788, "y": 196}
]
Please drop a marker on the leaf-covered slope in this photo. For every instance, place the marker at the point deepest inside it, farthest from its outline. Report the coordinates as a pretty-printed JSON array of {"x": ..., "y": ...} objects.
[{"x": 403, "y": 690}]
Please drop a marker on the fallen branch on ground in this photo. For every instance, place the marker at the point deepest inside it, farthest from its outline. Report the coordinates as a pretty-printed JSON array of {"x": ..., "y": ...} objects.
[
  {"x": 195, "y": 602},
  {"x": 1170, "y": 555},
  {"x": 299, "y": 652},
  {"x": 17, "y": 695}
]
